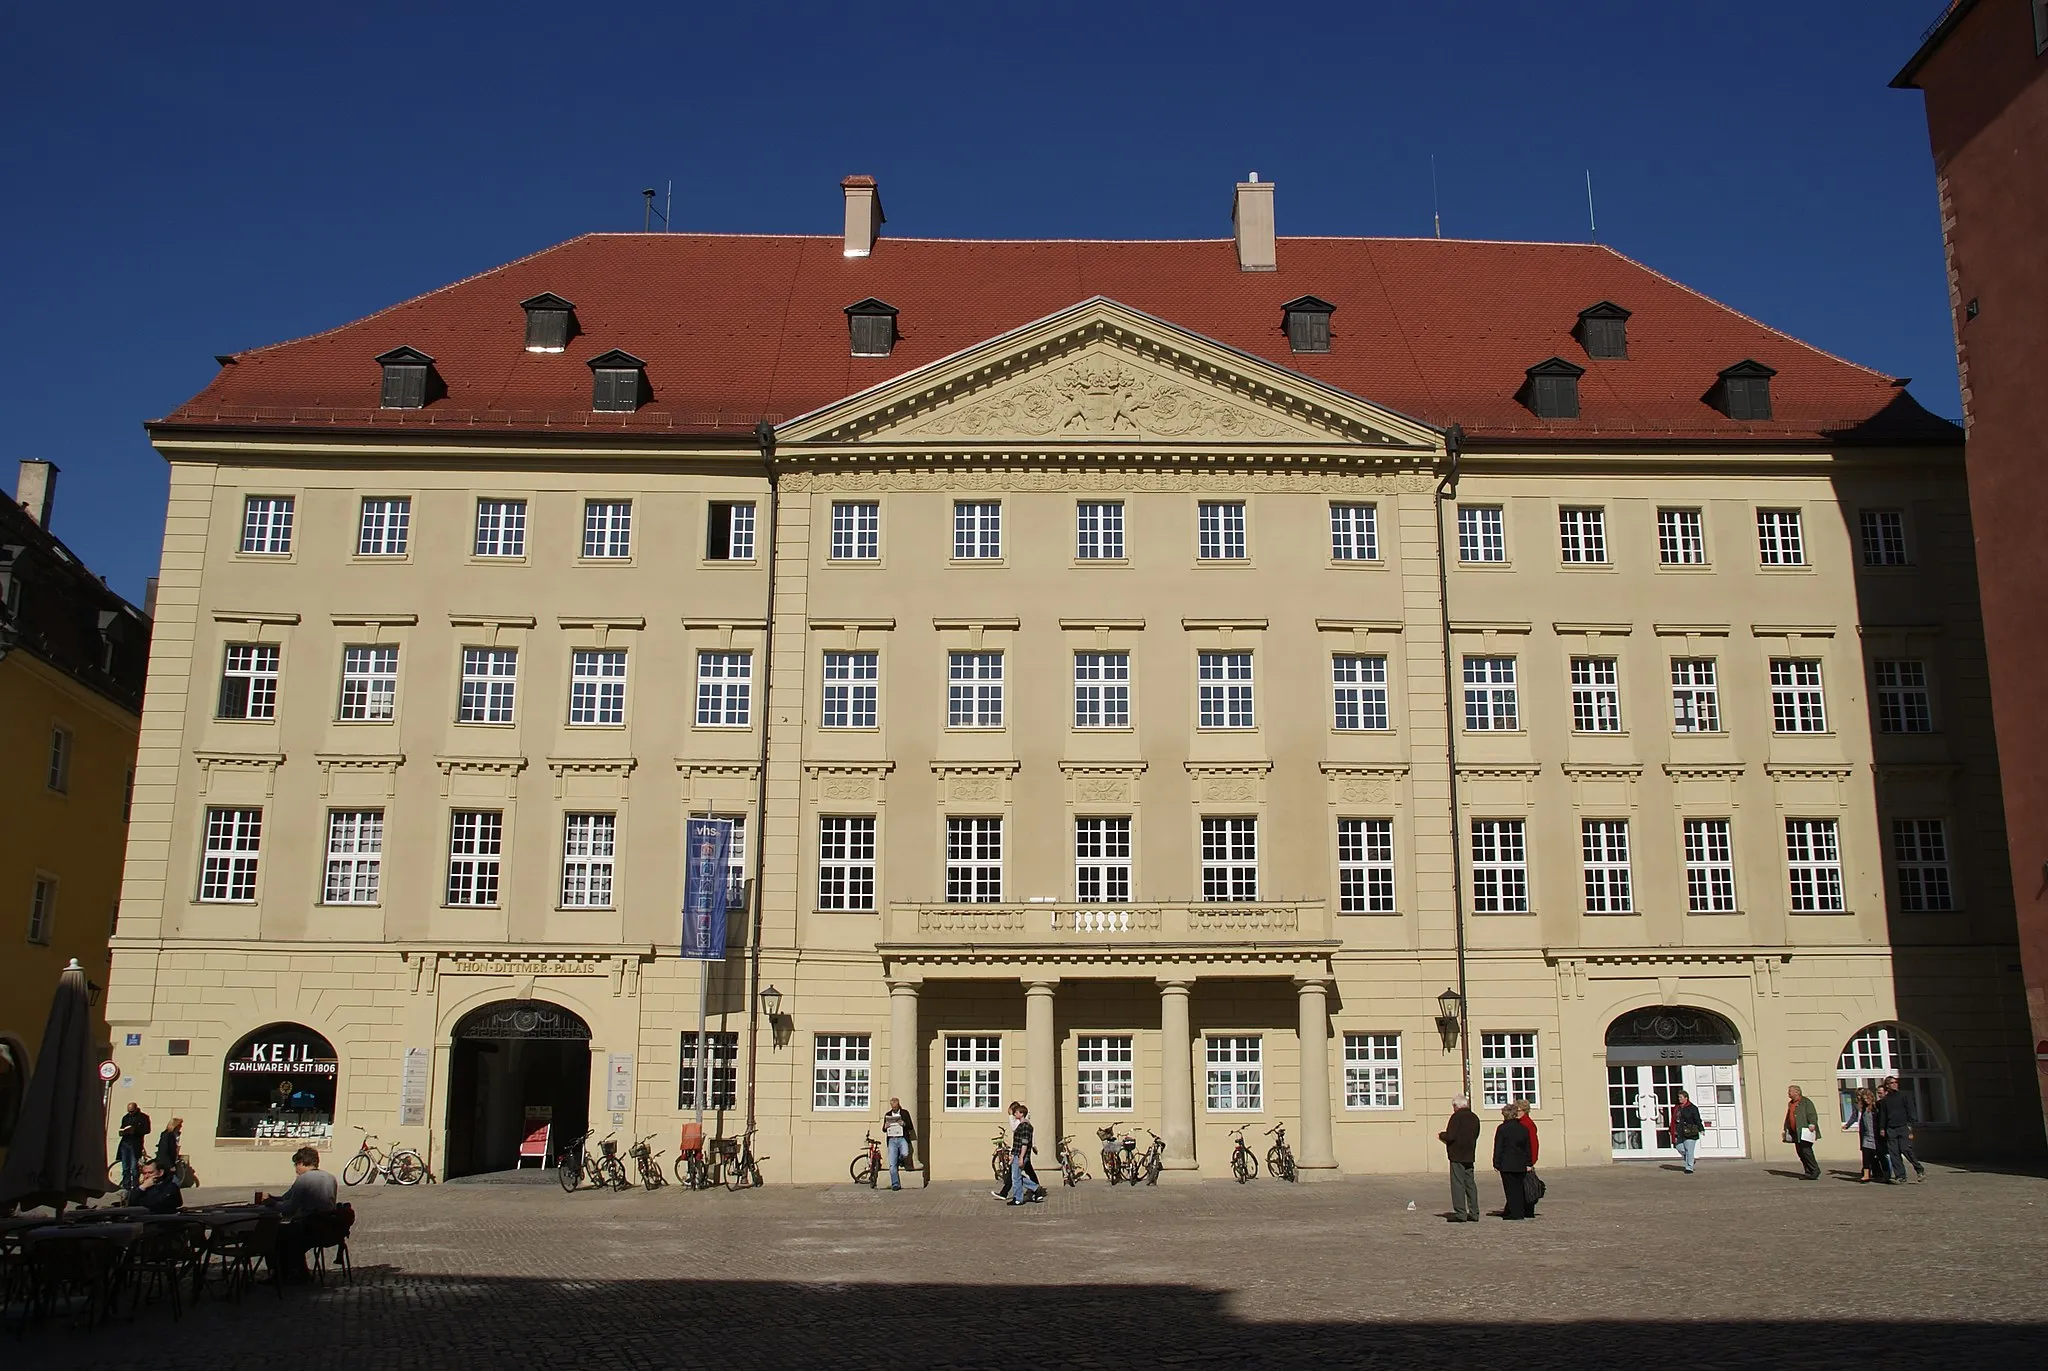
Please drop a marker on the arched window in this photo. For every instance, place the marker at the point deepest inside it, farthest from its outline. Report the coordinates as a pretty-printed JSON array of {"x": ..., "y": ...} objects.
[
  {"x": 1887, "y": 1049},
  {"x": 279, "y": 1082}
]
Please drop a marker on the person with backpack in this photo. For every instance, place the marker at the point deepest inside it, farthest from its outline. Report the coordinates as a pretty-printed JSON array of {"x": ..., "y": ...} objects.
[
  {"x": 1512, "y": 1160},
  {"x": 1686, "y": 1128}
]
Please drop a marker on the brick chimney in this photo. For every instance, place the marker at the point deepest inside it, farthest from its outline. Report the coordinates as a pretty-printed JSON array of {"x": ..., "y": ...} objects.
[
  {"x": 35, "y": 490},
  {"x": 1252, "y": 215},
  {"x": 864, "y": 217}
]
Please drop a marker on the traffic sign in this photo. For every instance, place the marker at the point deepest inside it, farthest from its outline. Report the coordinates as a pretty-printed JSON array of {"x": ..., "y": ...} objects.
[{"x": 109, "y": 1071}]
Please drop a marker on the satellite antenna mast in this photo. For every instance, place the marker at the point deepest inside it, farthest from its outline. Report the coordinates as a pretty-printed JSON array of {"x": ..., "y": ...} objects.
[
  {"x": 1435, "y": 210},
  {"x": 648, "y": 215},
  {"x": 1592, "y": 226}
]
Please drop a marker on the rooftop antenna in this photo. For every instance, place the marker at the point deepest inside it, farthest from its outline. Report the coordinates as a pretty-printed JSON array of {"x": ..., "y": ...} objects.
[
  {"x": 668, "y": 205},
  {"x": 647, "y": 216},
  {"x": 1592, "y": 226},
  {"x": 1436, "y": 212}
]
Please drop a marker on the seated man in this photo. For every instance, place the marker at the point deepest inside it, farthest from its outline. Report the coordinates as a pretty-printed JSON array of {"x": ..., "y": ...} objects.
[
  {"x": 158, "y": 1192},
  {"x": 311, "y": 1194}
]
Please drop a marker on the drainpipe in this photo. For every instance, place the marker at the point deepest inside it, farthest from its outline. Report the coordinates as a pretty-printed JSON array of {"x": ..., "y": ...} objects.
[
  {"x": 1447, "y": 490},
  {"x": 764, "y": 432}
]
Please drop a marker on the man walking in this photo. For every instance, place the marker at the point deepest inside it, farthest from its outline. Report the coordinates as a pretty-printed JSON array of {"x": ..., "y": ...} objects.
[
  {"x": 897, "y": 1132},
  {"x": 1460, "y": 1138},
  {"x": 1895, "y": 1116},
  {"x": 134, "y": 1137},
  {"x": 1802, "y": 1129},
  {"x": 1024, "y": 1186}
]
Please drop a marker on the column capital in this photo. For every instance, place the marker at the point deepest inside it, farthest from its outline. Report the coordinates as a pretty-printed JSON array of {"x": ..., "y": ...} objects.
[
  {"x": 1304, "y": 984},
  {"x": 905, "y": 987},
  {"x": 1040, "y": 985},
  {"x": 1170, "y": 984}
]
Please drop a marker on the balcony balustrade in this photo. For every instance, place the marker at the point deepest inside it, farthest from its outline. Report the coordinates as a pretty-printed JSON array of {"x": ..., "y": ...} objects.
[{"x": 1111, "y": 927}]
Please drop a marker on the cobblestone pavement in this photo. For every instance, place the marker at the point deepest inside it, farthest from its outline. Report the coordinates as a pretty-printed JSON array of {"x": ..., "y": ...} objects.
[{"x": 1740, "y": 1266}]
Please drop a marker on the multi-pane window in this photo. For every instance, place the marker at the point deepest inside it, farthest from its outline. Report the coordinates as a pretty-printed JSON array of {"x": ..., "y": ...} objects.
[
  {"x": 1102, "y": 690},
  {"x": 725, "y": 688},
  {"x": 974, "y": 860},
  {"x": 1779, "y": 539},
  {"x": 974, "y": 690},
  {"x": 607, "y": 528},
  {"x": 234, "y": 845},
  {"x": 267, "y": 524},
  {"x": 851, "y": 688},
  {"x": 248, "y": 682},
  {"x": 1360, "y": 686},
  {"x": 974, "y": 1072},
  {"x": 42, "y": 911},
  {"x": 1354, "y": 533},
  {"x": 369, "y": 683},
  {"x": 1104, "y": 1074},
  {"x": 1709, "y": 867},
  {"x": 1695, "y": 695},
  {"x": 1596, "y": 695},
  {"x": 1500, "y": 867},
  {"x": 589, "y": 847},
  {"x": 729, "y": 532},
  {"x": 597, "y": 686},
  {"x": 1102, "y": 860},
  {"x": 1604, "y": 843},
  {"x": 500, "y": 528},
  {"x": 1099, "y": 530},
  {"x": 1482, "y": 534},
  {"x": 1920, "y": 859},
  {"x": 57, "y": 776},
  {"x": 846, "y": 862},
  {"x": 1681, "y": 537},
  {"x": 1889, "y": 1050},
  {"x": 386, "y": 526},
  {"x": 735, "y": 851},
  {"x": 977, "y": 530},
  {"x": 1796, "y": 703},
  {"x": 1490, "y": 704},
  {"x": 1219, "y": 531},
  {"x": 1365, "y": 866},
  {"x": 1884, "y": 537},
  {"x": 842, "y": 1067},
  {"x": 724, "y": 1051},
  {"x": 1813, "y": 863},
  {"x": 1582, "y": 535},
  {"x": 1903, "y": 702},
  {"x": 856, "y": 530},
  {"x": 476, "y": 847},
  {"x": 1237, "y": 1075},
  {"x": 1372, "y": 1070},
  {"x": 1224, "y": 689},
  {"x": 1507, "y": 1069},
  {"x": 355, "y": 856},
  {"x": 490, "y": 679},
  {"x": 1230, "y": 858}
]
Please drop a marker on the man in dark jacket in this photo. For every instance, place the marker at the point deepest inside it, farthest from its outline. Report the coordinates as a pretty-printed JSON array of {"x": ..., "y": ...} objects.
[
  {"x": 1895, "y": 1119},
  {"x": 134, "y": 1137},
  {"x": 897, "y": 1131},
  {"x": 1460, "y": 1138},
  {"x": 1511, "y": 1159},
  {"x": 157, "y": 1192}
]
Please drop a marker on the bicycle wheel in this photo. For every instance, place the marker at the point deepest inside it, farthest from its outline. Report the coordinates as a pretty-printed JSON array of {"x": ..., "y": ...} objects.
[
  {"x": 114, "y": 1174},
  {"x": 1152, "y": 1169},
  {"x": 358, "y": 1169},
  {"x": 615, "y": 1174},
  {"x": 408, "y": 1167},
  {"x": 862, "y": 1170},
  {"x": 569, "y": 1171},
  {"x": 1280, "y": 1164},
  {"x": 1241, "y": 1165},
  {"x": 1000, "y": 1164},
  {"x": 682, "y": 1170},
  {"x": 651, "y": 1176}
]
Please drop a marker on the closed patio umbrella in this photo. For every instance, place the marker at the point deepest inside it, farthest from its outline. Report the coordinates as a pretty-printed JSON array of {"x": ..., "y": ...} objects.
[{"x": 59, "y": 1152}]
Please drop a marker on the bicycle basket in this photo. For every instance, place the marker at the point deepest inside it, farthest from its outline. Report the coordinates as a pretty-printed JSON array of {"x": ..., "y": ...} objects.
[
  {"x": 1106, "y": 1134},
  {"x": 610, "y": 1146},
  {"x": 728, "y": 1148}
]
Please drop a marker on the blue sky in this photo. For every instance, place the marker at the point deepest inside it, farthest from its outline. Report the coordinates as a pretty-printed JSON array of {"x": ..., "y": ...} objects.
[{"x": 183, "y": 181}]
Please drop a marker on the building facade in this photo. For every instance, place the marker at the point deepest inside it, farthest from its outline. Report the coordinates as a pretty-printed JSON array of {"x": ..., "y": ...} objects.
[{"x": 1139, "y": 686}]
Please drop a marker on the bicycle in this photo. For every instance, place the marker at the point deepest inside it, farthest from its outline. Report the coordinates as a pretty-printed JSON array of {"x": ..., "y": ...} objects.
[
  {"x": 1243, "y": 1165},
  {"x": 1147, "y": 1165},
  {"x": 570, "y": 1162},
  {"x": 1072, "y": 1171},
  {"x": 867, "y": 1166},
  {"x": 697, "y": 1171},
  {"x": 611, "y": 1171},
  {"x": 1280, "y": 1157},
  {"x": 644, "y": 1158},
  {"x": 1000, "y": 1162},
  {"x": 1113, "y": 1167},
  {"x": 399, "y": 1166},
  {"x": 742, "y": 1167}
]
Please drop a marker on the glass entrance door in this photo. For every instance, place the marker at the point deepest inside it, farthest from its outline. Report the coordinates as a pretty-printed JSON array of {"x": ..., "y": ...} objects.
[{"x": 1639, "y": 1100}]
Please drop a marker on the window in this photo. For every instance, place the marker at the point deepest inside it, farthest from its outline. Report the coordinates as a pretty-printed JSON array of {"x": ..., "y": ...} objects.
[
  {"x": 735, "y": 851},
  {"x": 1482, "y": 534},
  {"x": 1709, "y": 867},
  {"x": 618, "y": 382},
  {"x": 974, "y": 860},
  {"x": 589, "y": 844},
  {"x": 1308, "y": 324},
  {"x": 846, "y": 863},
  {"x": 355, "y": 856},
  {"x": 1552, "y": 391},
  {"x": 1695, "y": 696},
  {"x": 1224, "y": 689},
  {"x": 267, "y": 524},
  {"x": 1681, "y": 537},
  {"x": 1365, "y": 866},
  {"x": 549, "y": 319},
  {"x": 1372, "y": 1070},
  {"x": 1354, "y": 533},
  {"x": 385, "y": 527},
  {"x": 1236, "y": 1075},
  {"x": 278, "y": 1082},
  {"x": 1796, "y": 703},
  {"x": 1903, "y": 704},
  {"x": 1779, "y": 540},
  {"x": 1219, "y": 532},
  {"x": 1500, "y": 867},
  {"x": 405, "y": 378},
  {"x": 1230, "y": 859},
  {"x": 1104, "y": 1074},
  {"x": 1603, "y": 330},
  {"x": 234, "y": 844},
  {"x": 369, "y": 683},
  {"x": 58, "y": 776},
  {"x": 871, "y": 328},
  {"x": 1360, "y": 684},
  {"x": 1099, "y": 531},
  {"x": 248, "y": 682},
  {"x": 490, "y": 676},
  {"x": 1582, "y": 535},
  {"x": 856, "y": 531},
  {"x": 1507, "y": 1069},
  {"x": 1920, "y": 857},
  {"x": 42, "y": 910},
  {"x": 851, "y": 690},
  {"x": 1596, "y": 695},
  {"x": 1604, "y": 843},
  {"x": 729, "y": 533},
  {"x": 724, "y": 1051},
  {"x": 841, "y": 1066},
  {"x": 1746, "y": 391},
  {"x": 500, "y": 528},
  {"x": 597, "y": 687},
  {"x": 476, "y": 844},
  {"x": 607, "y": 528},
  {"x": 725, "y": 684},
  {"x": 1884, "y": 1050},
  {"x": 974, "y": 1073},
  {"x": 1102, "y": 860},
  {"x": 1102, "y": 690},
  {"x": 974, "y": 690},
  {"x": 1490, "y": 695},
  {"x": 1884, "y": 537},
  {"x": 1813, "y": 861},
  {"x": 977, "y": 530}
]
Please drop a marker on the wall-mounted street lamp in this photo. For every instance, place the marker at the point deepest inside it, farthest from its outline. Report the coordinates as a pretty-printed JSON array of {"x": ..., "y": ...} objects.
[
  {"x": 1450, "y": 1016},
  {"x": 771, "y": 1006}
]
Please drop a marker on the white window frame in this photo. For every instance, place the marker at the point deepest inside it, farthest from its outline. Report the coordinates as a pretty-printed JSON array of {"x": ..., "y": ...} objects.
[
  {"x": 974, "y": 859},
  {"x": 724, "y": 1051},
  {"x": 1920, "y": 865},
  {"x": 1596, "y": 695},
  {"x": 1798, "y": 696},
  {"x": 1224, "y": 687},
  {"x": 1883, "y": 537},
  {"x": 1354, "y": 532},
  {"x": 842, "y": 1071},
  {"x": 1709, "y": 866},
  {"x": 1234, "y": 1073},
  {"x": 233, "y": 855},
  {"x": 355, "y": 857},
  {"x": 57, "y": 777},
  {"x": 977, "y": 530},
  {"x": 1813, "y": 866},
  {"x": 725, "y": 689},
  {"x": 739, "y": 530},
  {"x": 974, "y": 690},
  {"x": 257, "y": 666},
  {"x": 590, "y": 849},
  {"x": 1890, "y": 1049},
  {"x": 607, "y": 530},
  {"x": 267, "y": 525},
  {"x": 1500, "y": 866},
  {"x": 1365, "y": 866},
  {"x": 1102, "y": 858},
  {"x": 1358, "y": 684},
  {"x": 846, "y": 863},
  {"x": 1482, "y": 535},
  {"x": 856, "y": 531},
  {"x": 1372, "y": 1071},
  {"x": 1904, "y": 699},
  {"x": 1508, "y": 1069},
  {"x": 1230, "y": 858},
  {"x": 369, "y": 683},
  {"x": 1492, "y": 700},
  {"x": 1582, "y": 535},
  {"x": 597, "y": 687},
  {"x": 1220, "y": 531},
  {"x": 500, "y": 529},
  {"x": 1604, "y": 853},
  {"x": 1102, "y": 690},
  {"x": 476, "y": 858},
  {"x": 1780, "y": 537},
  {"x": 1695, "y": 695},
  {"x": 42, "y": 910},
  {"x": 384, "y": 528},
  {"x": 1681, "y": 537},
  {"x": 490, "y": 685},
  {"x": 850, "y": 696},
  {"x": 973, "y": 1082},
  {"x": 1105, "y": 1073},
  {"x": 1099, "y": 530}
]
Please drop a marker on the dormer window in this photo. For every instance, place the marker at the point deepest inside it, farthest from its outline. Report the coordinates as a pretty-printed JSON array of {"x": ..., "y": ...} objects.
[
  {"x": 1603, "y": 330},
  {"x": 550, "y": 322},
  {"x": 871, "y": 325},
  {"x": 1745, "y": 390},
  {"x": 1553, "y": 389},
  {"x": 406, "y": 379},
  {"x": 1308, "y": 324},
  {"x": 618, "y": 381}
]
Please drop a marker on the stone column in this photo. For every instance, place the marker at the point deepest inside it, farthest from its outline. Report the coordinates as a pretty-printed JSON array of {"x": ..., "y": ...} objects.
[
  {"x": 1318, "y": 1159},
  {"x": 1176, "y": 1075},
  {"x": 1041, "y": 1065},
  {"x": 904, "y": 1076}
]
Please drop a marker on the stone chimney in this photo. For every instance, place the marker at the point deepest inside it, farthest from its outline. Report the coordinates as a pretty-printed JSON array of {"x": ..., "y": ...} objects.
[
  {"x": 35, "y": 490},
  {"x": 1252, "y": 214},
  {"x": 864, "y": 217}
]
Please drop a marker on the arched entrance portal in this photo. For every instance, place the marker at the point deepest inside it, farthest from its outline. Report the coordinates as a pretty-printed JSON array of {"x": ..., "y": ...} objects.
[
  {"x": 511, "y": 1062},
  {"x": 1655, "y": 1052}
]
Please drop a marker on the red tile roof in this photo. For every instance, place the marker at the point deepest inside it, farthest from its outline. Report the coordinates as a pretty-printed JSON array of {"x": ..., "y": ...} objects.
[{"x": 735, "y": 329}]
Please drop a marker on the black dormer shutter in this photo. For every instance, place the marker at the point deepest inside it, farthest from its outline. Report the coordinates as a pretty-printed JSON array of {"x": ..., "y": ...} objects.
[
  {"x": 617, "y": 388},
  {"x": 405, "y": 379},
  {"x": 1308, "y": 324},
  {"x": 874, "y": 335},
  {"x": 1606, "y": 338},
  {"x": 1553, "y": 389},
  {"x": 550, "y": 321},
  {"x": 1746, "y": 390}
]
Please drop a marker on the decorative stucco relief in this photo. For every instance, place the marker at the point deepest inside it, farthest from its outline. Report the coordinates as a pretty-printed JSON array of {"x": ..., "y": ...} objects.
[{"x": 1103, "y": 396}]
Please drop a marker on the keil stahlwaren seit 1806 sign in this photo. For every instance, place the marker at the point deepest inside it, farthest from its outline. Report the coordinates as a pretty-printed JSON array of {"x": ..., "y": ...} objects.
[{"x": 707, "y": 843}]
